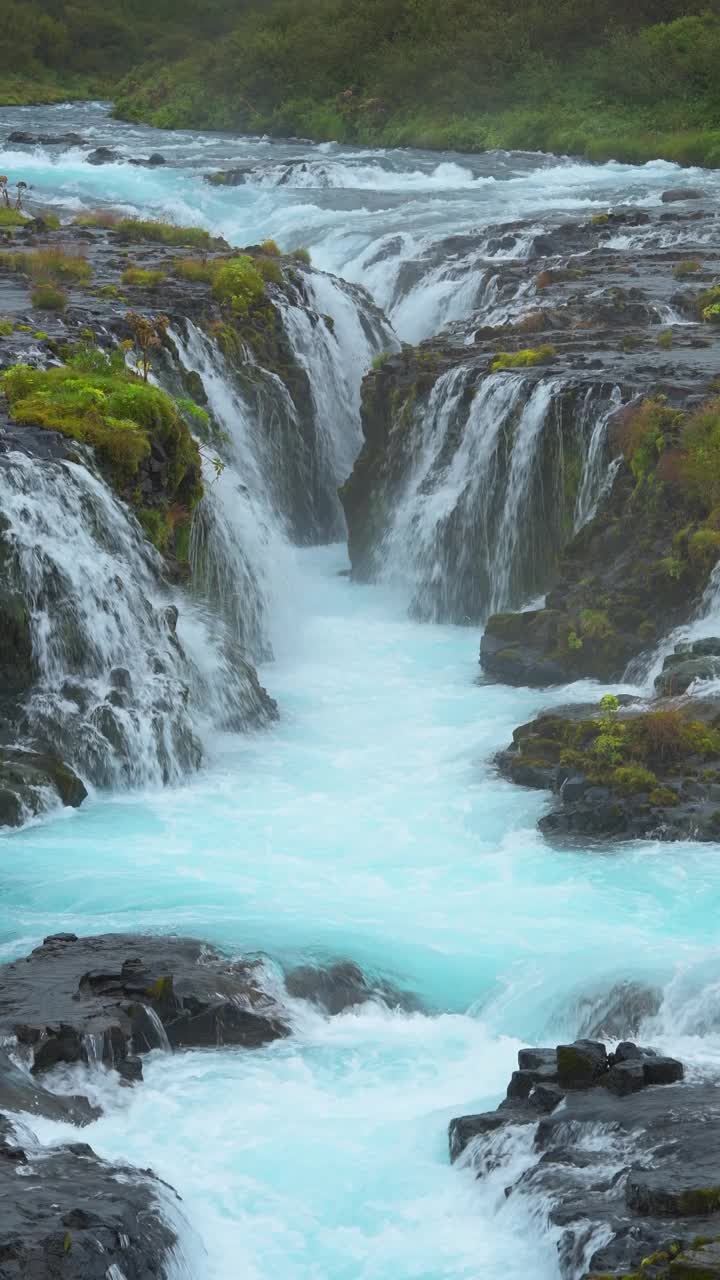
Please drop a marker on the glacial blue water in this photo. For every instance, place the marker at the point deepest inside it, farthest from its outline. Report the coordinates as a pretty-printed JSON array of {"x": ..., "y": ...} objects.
[{"x": 368, "y": 824}]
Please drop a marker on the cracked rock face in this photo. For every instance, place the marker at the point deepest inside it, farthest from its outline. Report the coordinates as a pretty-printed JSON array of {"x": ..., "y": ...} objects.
[{"x": 112, "y": 997}]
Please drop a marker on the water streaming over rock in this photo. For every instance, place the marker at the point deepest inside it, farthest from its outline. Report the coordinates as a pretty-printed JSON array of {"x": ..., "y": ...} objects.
[{"x": 502, "y": 474}]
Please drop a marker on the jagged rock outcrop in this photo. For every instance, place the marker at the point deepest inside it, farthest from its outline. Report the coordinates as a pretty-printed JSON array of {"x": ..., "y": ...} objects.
[
  {"x": 109, "y": 998},
  {"x": 626, "y": 1167}
]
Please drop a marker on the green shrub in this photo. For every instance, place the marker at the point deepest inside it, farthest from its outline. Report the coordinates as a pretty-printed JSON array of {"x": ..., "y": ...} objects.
[
  {"x": 140, "y": 278},
  {"x": 137, "y": 230},
  {"x": 302, "y": 255},
  {"x": 633, "y": 778},
  {"x": 6, "y": 328},
  {"x": 238, "y": 283},
  {"x": 47, "y": 296},
  {"x": 12, "y": 218},
  {"x": 195, "y": 270},
  {"x": 687, "y": 268}
]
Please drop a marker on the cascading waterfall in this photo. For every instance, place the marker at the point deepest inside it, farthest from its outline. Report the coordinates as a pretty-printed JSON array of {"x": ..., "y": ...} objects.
[
  {"x": 117, "y": 692},
  {"x": 486, "y": 510}
]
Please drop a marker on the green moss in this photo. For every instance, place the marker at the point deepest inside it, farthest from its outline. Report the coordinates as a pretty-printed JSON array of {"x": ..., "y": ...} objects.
[
  {"x": 699, "y": 1201},
  {"x": 139, "y": 278},
  {"x": 664, "y": 797},
  {"x": 96, "y": 401},
  {"x": 42, "y": 337},
  {"x": 160, "y": 989},
  {"x": 525, "y": 359},
  {"x": 301, "y": 255},
  {"x": 6, "y": 328},
  {"x": 600, "y": 219},
  {"x": 238, "y": 284},
  {"x": 665, "y": 340},
  {"x": 687, "y": 268},
  {"x": 595, "y": 624}
]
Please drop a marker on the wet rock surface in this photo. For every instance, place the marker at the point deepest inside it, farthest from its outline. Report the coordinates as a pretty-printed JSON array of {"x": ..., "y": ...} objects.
[
  {"x": 585, "y": 319},
  {"x": 623, "y": 1157},
  {"x": 106, "y": 999},
  {"x": 68, "y": 1215},
  {"x": 690, "y": 662},
  {"x": 343, "y": 985}
]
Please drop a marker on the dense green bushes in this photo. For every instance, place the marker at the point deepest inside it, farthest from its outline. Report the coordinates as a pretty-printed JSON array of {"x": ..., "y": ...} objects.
[{"x": 599, "y": 77}]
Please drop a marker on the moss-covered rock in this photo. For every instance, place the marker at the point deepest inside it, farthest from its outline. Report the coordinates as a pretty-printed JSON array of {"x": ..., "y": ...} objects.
[
  {"x": 139, "y": 434},
  {"x": 622, "y": 771}
]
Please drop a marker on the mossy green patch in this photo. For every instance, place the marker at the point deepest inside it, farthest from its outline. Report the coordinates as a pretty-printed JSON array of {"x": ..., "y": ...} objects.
[
  {"x": 95, "y": 400},
  {"x": 12, "y": 218},
  {"x": 239, "y": 284},
  {"x": 524, "y": 359},
  {"x": 137, "y": 230}
]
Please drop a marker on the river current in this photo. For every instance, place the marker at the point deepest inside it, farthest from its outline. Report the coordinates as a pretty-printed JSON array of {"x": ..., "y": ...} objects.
[{"x": 368, "y": 823}]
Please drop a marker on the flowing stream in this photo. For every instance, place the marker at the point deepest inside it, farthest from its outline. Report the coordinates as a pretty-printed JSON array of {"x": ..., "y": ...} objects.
[{"x": 368, "y": 822}]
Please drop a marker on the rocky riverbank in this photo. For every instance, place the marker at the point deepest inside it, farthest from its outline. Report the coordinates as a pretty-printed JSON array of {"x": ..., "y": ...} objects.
[
  {"x": 619, "y": 1152},
  {"x": 102, "y": 1003}
]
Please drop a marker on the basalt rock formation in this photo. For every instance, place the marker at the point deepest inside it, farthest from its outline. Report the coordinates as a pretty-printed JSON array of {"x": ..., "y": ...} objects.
[
  {"x": 622, "y": 1158},
  {"x": 107, "y": 999}
]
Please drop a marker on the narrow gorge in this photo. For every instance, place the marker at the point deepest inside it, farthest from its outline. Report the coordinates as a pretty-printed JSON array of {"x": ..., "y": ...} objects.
[{"x": 360, "y": 734}]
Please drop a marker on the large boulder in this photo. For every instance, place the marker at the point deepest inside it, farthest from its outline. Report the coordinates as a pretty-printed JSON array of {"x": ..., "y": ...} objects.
[
  {"x": 30, "y": 781},
  {"x": 107, "y": 998}
]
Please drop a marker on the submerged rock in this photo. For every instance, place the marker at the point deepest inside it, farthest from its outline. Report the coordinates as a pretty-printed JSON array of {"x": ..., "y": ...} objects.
[
  {"x": 19, "y": 1091},
  {"x": 699, "y": 660},
  {"x": 342, "y": 986},
  {"x": 68, "y": 1215},
  {"x": 105, "y": 998}
]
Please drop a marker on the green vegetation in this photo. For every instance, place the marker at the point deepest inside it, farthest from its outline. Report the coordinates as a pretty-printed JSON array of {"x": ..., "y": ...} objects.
[
  {"x": 6, "y": 328},
  {"x": 195, "y": 270},
  {"x": 686, "y": 268},
  {"x": 238, "y": 283},
  {"x": 138, "y": 230},
  {"x": 48, "y": 264},
  {"x": 139, "y": 278},
  {"x": 522, "y": 359},
  {"x": 47, "y": 296},
  {"x": 626, "y": 751},
  {"x": 596, "y": 77},
  {"x": 12, "y": 218},
  {"x": 95, "y": 400},
  {"x": 302, "y": 255}
]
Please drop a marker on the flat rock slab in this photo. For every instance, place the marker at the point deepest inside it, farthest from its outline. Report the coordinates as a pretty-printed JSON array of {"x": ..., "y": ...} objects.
[
  {"x": 111, "y": 997},
  {"x": 68, "y": 1215}
]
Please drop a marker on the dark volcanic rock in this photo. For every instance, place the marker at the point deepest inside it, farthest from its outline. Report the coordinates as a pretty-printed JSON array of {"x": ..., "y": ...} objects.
[
  {"x": 669, "y": 789},
  {"x": 343, "y": 986},
  {"x": 95, "y": 999},
  {"x": 68, "y": 1215},
  {"x": 631, "y": 1165},
  {"x": 699, "y": 660},
  {"x": 20, "y": 1092},
  {"x": 26, "y": 777},
  {"x": 20, "y": 138}
]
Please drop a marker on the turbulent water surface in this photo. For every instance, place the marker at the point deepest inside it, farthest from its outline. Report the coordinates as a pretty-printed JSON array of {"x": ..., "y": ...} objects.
[{"x": 368, "y": 822}]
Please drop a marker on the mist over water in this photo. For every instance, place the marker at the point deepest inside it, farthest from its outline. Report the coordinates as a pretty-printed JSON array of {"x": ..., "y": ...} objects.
[{"x": 369, "y": 822}]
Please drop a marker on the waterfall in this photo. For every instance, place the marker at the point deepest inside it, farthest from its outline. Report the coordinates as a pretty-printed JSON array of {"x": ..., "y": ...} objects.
[
  {"x": 335, "y": 342},
  {"x": 503, "y": 472},
  {"x": 117, "y": 692}
]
